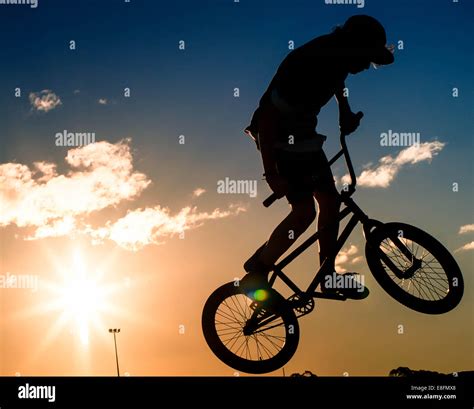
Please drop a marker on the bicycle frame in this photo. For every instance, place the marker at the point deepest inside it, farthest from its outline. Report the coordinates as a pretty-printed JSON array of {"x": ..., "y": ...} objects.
[{"x": 357, "y": 216}]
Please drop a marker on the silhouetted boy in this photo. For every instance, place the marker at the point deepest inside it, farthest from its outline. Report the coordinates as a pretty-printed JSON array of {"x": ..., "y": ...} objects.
[{"x": 283, "y": 127}]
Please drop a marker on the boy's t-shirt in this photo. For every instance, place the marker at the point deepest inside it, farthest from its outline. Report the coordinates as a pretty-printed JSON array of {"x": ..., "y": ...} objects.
[{"x": 306, "y": 79}]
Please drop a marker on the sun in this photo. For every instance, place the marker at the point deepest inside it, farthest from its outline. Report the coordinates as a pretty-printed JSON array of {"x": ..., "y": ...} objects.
[{"x": 82, "y": 296}]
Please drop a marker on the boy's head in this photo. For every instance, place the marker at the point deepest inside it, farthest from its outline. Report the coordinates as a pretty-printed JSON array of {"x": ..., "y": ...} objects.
[{"x": 365, "y": 40}]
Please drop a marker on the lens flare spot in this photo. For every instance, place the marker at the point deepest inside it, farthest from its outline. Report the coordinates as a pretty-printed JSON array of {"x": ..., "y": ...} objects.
[{"x": 260, "y": 295}]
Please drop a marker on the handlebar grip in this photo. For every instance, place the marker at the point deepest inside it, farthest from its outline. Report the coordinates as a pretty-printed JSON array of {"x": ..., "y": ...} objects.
[
  {"x": 270, "y": 199},
  {"x": 359, "y": 115}
]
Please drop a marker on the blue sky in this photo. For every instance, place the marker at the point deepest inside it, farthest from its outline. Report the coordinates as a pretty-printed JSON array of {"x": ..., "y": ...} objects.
[
  {"x": 190, "y": 92},
  {"x": 231, "y": 45},
  {"x": 228, "y": 45}
]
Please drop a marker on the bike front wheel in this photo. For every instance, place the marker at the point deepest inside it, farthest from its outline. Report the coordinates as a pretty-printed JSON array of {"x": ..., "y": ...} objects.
[
  {"x": 414, "y": 268},
  {"x": 249, "y": 336}
]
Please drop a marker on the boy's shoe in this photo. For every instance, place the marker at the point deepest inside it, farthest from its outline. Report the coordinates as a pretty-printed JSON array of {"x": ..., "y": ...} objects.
[
  {"x": 346, "y": 284},
  {"x": 253, "y": 263},
  {"x": 257, "y": 274}
]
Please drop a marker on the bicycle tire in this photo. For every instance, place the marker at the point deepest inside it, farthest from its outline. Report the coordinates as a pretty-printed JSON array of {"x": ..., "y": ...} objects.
[
  {"x": 452, "y": 286},
  {"x": 260, "y": 364}
]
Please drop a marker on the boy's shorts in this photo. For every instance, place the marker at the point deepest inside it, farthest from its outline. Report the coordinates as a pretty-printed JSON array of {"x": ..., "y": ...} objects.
[
  {"x": 304, "y": 163},
  {"x": 300, "y": 158},
  {"x": 306, "y": 173}
]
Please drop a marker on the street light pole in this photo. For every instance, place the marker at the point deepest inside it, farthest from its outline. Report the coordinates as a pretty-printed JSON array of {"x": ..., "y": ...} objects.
[{"x": 115, "y": 331}]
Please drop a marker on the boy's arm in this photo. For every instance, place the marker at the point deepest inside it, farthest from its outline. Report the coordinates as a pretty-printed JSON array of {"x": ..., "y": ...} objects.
[
  {"x": 267, "y": 138},
  {"x": 267, "y": 143},
  {"x": 348, "y": 121},
  {"x": 277, "y": 183},
  {"x": 342, "y": 101}
]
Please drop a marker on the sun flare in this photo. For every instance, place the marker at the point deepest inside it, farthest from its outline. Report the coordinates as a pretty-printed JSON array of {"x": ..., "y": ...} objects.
[
  {"x": 82, "y": 299},
  {"x": 83, "y": 296}
]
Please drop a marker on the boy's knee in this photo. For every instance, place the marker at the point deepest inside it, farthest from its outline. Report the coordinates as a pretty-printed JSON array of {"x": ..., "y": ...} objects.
[
  {"x": 305, "y": 213},
  {"x": 328, "y": 201}
]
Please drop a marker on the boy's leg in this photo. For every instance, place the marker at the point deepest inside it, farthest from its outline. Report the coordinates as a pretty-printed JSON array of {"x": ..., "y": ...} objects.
[
  {"x": 328, "y": 205},
  {"x": 300, "y": 218}
]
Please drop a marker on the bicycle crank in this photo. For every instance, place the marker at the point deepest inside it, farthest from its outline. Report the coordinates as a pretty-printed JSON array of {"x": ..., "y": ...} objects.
[{"x": 302, "y": 303}]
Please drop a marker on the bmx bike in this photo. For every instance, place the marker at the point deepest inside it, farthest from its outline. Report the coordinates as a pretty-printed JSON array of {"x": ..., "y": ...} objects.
[{"x": 259, "y": 333}]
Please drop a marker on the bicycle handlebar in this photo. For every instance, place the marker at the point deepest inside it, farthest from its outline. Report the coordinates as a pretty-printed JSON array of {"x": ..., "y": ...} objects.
[{"x": 274, "y": 197}]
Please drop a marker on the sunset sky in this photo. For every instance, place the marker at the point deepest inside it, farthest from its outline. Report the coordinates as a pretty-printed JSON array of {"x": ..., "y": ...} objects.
[{"x": 131, "y": 232}]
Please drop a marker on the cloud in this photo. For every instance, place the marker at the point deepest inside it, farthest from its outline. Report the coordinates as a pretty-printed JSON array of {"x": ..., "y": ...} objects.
[
  {"x": 102, "y": 101},
  {"x": 142, "y": 227},
  {"x": 56, "y": 228},
  {"x": 44, "y": 100},
  {"x": 467, "y": 228},
  {"x": 345, "y": 256},
  {"x": 101, "y": 175},
  {"x": 466, "y": 247},
  {"x": 382, "y": 174},
  {"x": 76, "y": 91},
  {"x": 198, "y": 192}
]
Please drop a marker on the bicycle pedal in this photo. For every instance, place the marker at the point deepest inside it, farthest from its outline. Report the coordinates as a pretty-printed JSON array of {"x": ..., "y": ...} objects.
[{"x": 302, "y": 303}]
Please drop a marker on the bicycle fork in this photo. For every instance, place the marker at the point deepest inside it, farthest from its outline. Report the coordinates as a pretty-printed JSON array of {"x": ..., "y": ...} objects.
[{"x": 395, "y": 239}]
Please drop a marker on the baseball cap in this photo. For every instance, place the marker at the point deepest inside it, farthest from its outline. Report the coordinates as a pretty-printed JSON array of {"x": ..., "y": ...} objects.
[{"x": 369, "y": 37}]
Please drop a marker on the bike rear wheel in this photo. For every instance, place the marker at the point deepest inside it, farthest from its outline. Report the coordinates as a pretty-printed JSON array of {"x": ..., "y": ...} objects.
[
  {"x": 249, "y": 336},
  {"x": 430, "y": 282}
]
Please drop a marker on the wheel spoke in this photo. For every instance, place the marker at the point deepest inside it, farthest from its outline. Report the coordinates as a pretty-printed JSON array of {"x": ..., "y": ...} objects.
[
  {"x": 273, "y": 343},
  {"x": 221, "y": 333},
  {"x": 265, "y": 342},
  {"x": 237, "y": 310},
  {"x": 429, "y": 285},
  {"x": 231, "y": 311},
  {"x": 432, "y": 281},
  {"x": 231, "y": 324},
  {"x": 241, "y": 346},
  {"x": 233, "y": 340},
  {"x": 229, "y": 317},
  {"x": 248, "y": 351},
  {"x": 267, "y": 349},
  {"x": 257, "y": 343},
  {"x": 421, "y": 289},
  {"x": 242, "y": 309},
  {"x": 227, "y": 326},
  {"x": 429, "y": 282}
]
